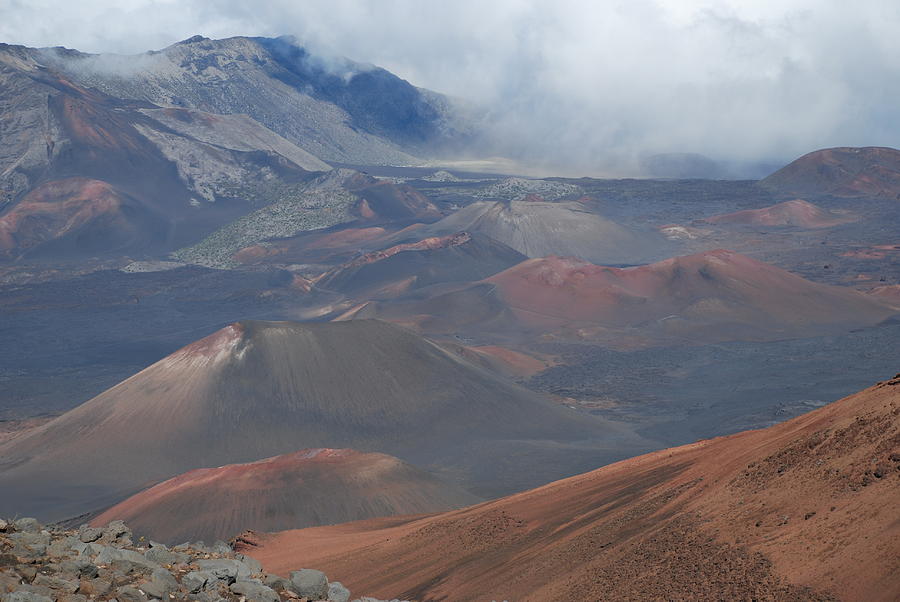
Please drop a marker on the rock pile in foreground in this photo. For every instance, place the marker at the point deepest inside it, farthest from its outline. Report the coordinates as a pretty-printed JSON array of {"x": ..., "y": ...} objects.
[{"x": 43, "y": 563}]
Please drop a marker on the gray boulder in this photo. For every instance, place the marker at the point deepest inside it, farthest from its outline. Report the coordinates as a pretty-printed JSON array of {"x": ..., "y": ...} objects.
[
  {"x": 161, "y": 584},
  {"x": 79, "y": 567},
  {"x": 56, "y": 583},
  {"x": 225, "y": 569},
  {"x": 160, "y": 554},
  {"x": 252, "y": 563},
  {"x": 277, "y": 583},
  {"x": 310, "y": 583},
  {"x": 61, "y": 547},
  {"x": 109, "y": 555},
  {"x": 128, "y": 593},
  {"x": 88, "y": 534},
  {"x": 194, "y": 581},
  {"x": 29, "y": 544},
  {"x": 254, "y": 590},
  {"x": 337, "y": 592},
  {"x": 27, "y": 525},
  {"x": 87, "y": 549},
  {"x": 116, "y": 532}
]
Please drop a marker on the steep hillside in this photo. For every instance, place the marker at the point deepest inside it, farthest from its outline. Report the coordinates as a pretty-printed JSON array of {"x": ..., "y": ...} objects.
[
  {"x": 188, "y": 172},
  {"x": 804, "y": 510},
  {"x": 307, "y": 488},
  {"x": 256, "y": 389}
]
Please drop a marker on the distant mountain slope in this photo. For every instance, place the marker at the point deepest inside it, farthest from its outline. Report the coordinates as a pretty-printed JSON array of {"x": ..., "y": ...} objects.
[
  {"x": 804, "y": 510},
  {"x": 257, "y": 389},
  {"x": 540, "y": 228},
  {"x": 189, "y": 170},
  {"x": 307, "y": 488},
  {"x": 867, "y": 172},
  {"x": 797, "y": 213},
  {"x": 336, "y": 109},
  {"x": 708, "y": 297}
]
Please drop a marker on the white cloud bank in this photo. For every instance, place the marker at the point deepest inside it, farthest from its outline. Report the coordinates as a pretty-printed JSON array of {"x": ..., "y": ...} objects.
[{"x": 589, "y": 83}]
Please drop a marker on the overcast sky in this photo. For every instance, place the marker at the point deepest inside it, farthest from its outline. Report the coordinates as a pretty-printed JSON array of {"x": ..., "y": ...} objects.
[{"x": 588, "y": 81}]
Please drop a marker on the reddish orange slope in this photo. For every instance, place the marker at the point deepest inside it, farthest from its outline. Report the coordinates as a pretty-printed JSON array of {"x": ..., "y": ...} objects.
[
  {"x": 866, "y": 172},
  {"x": 716, "y": 295},
  {"x": 306, "y": 488},
  {"x": 798, "y": 213},
  {"x": 804, "y": 510}
]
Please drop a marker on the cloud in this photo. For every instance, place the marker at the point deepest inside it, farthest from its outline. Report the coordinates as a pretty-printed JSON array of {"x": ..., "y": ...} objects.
[{"x": 590, "y": 84}]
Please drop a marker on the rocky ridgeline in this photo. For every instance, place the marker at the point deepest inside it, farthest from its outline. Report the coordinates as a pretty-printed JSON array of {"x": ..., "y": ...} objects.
[{"x": 44, "y": 563}]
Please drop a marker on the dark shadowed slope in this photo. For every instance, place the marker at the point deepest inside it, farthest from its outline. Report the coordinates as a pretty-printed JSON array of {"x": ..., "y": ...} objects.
[
  {"x": 258, "y": 389},
  {"x": 867, "y": 172},
  {"x": 804, "y": 510},
  {"x": 307, "y": 488},
  {"x": 797, "y": 213}
]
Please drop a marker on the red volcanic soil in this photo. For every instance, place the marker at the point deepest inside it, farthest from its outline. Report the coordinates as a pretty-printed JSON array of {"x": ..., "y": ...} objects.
[
  {"x": 434, "y": 242},
  {"x": 306, "y": 488},
  {"x": 716, "y": 295},
  {"x": 90, "y": 212},
  {"x": 868, "y": 172},
  {"x": 799, "y": 213},
  {"x": 328, "y": 246},
  {"x": 804, "y": 510}
]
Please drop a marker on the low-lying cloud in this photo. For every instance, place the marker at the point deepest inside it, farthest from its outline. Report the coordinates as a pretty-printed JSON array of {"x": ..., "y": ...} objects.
[{"x": 593, "y": 85}]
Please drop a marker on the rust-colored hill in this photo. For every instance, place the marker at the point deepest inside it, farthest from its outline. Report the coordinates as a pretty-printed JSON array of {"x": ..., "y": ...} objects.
[
  {"x": 259, "y": 389},
  {"x": 804, "y": 510},
  {"x": 797, "y": 213},
  {"x": 307, "y": 488},
  {"x": 716, "y": 295},
  {"x": 79, "y": 214},
  {"x": 868, "y": 172},
  {"x": 713, "y": 296}
]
